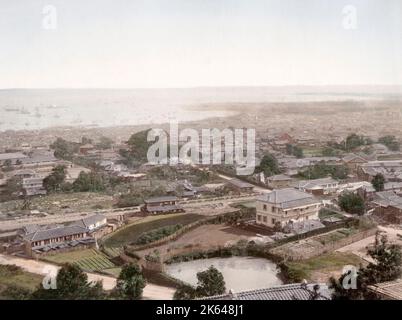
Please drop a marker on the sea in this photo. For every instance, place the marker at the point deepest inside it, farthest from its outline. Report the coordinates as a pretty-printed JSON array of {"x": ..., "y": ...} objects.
[{"x": 28, "y": 109}]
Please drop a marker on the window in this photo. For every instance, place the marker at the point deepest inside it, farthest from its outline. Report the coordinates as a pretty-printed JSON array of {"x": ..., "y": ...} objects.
[
  {"x": 264, "y": 219},
  {"x": 265, "y": 207},
  {"x": 258, "y": 218},
  {"x": 273, "y": 221}
]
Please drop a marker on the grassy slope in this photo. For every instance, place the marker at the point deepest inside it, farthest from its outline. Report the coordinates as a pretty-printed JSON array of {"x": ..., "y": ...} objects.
[
  {"x": 299, "y": 270},
  {"x": 10, "y": 276},
  {"x": 131, "y": 233}
]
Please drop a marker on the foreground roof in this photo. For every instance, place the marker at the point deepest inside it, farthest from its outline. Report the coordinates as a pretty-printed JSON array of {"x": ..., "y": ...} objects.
[
  {"x": 298, "y": 291},
  {"x": 391, "y": 290}
]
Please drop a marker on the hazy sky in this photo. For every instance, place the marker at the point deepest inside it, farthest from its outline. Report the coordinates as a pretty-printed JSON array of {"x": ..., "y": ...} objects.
[{"x": 182, "y": 43}]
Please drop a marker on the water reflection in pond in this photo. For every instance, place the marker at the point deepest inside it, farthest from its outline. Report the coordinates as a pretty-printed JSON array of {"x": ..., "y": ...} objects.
[{"x": 240, "y": 273}]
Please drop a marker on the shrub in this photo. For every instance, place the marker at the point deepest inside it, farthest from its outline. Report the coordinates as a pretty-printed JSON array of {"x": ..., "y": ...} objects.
[{"x": 156, "y": 234}]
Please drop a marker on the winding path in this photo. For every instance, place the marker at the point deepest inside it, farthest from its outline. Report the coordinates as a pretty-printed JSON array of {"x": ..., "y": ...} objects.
[{"x": 151, "y": 291}]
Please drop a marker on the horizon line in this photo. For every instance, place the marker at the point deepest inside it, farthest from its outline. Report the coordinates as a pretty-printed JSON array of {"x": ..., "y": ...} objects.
[{"x": 207, "y": 87}]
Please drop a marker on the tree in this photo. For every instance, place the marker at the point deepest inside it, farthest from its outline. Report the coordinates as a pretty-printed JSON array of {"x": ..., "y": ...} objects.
[
  {"x": 104, "y": 143},
  {"x": 85, "y": 140},
  {"x": 269, "y": 165},
  {"x": 64, "y": 149},
  {"x": 138, "y": 148},
  {"x": 185, "y": 292},
  {"x": 54, "y": 181},
  {"x": 130, "y": 282},
  {"x": 378, "y": 182},
  {"x": 351, "y": 203},
  {"x": 294, "y": 151},
  {"x": 13, "y": 187},
  {"x": 391, "y": 142},
  {"x": 353, "y": 141},
  {"x": 330, "y": 152},
  {"x": 322, "y": 170},
  {"x": 91, "y": 181},
  {"x": 210, "y": 283},
  {"x": 8, "y": 166},
  {"x": 71, "y": 284},
  {"x": 386, "y": 267}
]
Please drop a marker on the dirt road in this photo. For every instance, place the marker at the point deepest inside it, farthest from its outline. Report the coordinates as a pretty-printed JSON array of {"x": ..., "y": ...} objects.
[
  {"x": 359, "y": 248},
  {"x": 151, "y": 291}
]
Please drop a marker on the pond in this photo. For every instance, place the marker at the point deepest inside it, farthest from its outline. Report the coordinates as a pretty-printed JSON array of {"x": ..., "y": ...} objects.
[{"x": 240, "y": 273}]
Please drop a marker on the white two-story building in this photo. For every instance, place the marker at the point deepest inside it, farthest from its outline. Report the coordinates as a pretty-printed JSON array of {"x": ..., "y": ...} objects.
[{"x": 279, "y": 207}]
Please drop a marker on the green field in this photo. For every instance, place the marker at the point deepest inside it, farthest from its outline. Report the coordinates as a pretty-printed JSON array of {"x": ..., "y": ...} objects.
[
  {"x": 300, "y": 270},
  {"x": 88, "y": 259},
  {"x": 12, "y": 276},
  {"x": 130, "y": 233},
  {"x": 312, "y": 152},
  {"x": 336, "y": 235},
  {"x": 115, "y": 272}
]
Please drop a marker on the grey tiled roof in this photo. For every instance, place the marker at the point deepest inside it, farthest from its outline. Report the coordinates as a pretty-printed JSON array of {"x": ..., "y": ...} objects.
[
  {"x": 165, "y": 208},
  {"x": 388, "y": 198},
  {"x": 12, "y": 156},
  {"x": 279, "y": 177},
  {"x": 88, "y": 221},
  {"x": 285, "y": 292},
  {"x": 161, "y": 199},
  {"x": 307, "y": 184},
  {"x": 288, "y": 198},
  {"x": 54, "y": 233},
  {"x": 240, "y": 184},
  {"x": 39, "y": 159}
]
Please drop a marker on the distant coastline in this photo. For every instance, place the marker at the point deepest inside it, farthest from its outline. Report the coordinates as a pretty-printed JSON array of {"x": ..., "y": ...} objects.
[{"x": 35, "y": 109}]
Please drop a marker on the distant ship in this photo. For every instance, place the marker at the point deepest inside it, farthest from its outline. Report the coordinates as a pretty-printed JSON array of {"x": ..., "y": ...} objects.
[
  {"x": 8, "y": 109},
  {"x": 24, "y": 111}
]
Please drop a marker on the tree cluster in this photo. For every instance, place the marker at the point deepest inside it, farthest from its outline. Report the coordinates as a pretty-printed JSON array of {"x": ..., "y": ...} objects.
[
  {"x": 386, "y": 267},
  {"x": 210, "y": 283}
]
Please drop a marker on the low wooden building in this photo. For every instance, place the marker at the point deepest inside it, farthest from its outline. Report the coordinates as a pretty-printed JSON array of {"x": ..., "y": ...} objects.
[
  {"x": 160, "y": 205},
  {"x": 59, "y": 238},
  {"x": 240, "y": 186},
  {"x": 279, "y": 181}
]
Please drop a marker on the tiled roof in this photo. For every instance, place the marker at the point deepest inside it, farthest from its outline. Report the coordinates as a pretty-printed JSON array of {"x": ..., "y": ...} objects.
[
  {"x": 54, "y": 233},
  {"x": 88, "y": 221},
  {"x": 389, "y": 290},
  {"x": 39, "y": 159},
  {"x": 240, "y": 184},
  {"x": 12, "y": 156},
  {"x": 284, "y": 292},
  {"x": 316, "y": 183},
  {"x": 161, "y": 199},
  {"x": 288, "y": 198},
  {"x": 279, "y": 177},
  {"x": 388, "y": 198},
  {"x": 166, "y": 208}
]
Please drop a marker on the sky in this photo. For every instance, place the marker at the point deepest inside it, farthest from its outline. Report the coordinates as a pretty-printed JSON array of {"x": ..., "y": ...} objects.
[{"x": 190, "y": 43}]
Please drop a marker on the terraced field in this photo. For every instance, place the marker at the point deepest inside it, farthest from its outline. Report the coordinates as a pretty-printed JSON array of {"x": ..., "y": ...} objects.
[
  {"x": 112, "y": 251},
  {"x": 89, "y": 260}
]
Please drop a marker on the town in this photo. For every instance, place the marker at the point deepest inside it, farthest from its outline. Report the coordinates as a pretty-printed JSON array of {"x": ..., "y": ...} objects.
[{"x": 93, "y": 202}]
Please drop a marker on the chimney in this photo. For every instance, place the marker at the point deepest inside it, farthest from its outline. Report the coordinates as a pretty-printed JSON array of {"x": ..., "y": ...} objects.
[
  {"x": 232, "y": 295},
  {"x": 304, "y": 284}
]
